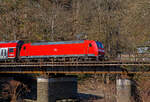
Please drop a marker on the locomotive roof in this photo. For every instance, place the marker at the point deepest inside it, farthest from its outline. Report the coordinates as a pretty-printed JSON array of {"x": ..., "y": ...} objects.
[
  {"x": 17, "y": 41},
  {"x": 60, "y": 42}
]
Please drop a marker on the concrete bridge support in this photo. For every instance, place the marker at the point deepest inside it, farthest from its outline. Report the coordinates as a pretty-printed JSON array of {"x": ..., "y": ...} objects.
[
  {"x": 42, "y": 89},
  {"x": 123, "y": 90},
  {"x": 57, "y": 88}
]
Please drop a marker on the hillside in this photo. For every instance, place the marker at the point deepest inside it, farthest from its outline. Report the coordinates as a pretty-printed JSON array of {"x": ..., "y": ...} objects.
[{"x": 119, "y": 24}]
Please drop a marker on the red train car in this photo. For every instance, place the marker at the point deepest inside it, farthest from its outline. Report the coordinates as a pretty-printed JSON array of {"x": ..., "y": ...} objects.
[
  {"x": 10, "y": 49},
  {"x": 87, "y": 48}
]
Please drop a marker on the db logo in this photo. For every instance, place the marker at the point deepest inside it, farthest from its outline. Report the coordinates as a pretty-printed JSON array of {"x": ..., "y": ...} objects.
[{"x": 55, "y": 50}]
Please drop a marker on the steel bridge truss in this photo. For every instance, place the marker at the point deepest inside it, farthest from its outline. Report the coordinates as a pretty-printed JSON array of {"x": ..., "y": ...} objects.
[{"x": 91, "y": 67}]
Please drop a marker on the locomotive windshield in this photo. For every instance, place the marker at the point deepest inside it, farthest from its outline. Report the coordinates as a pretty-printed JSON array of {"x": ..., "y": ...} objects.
[{"x": 99, "y": 44}]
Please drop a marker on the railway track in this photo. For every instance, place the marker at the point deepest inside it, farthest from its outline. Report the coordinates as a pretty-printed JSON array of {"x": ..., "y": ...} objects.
[
  {"x": 86, "y": 63},
  {"x": 73, "y": 72},
  {"x": 89, "y": 67}
]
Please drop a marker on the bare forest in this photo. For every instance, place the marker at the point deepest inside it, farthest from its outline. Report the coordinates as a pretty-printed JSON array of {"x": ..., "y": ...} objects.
[{"x": 119, "y": 24}]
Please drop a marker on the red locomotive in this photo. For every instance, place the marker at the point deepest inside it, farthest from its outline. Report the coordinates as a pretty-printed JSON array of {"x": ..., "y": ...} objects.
[{"x": 47, "y": 50}]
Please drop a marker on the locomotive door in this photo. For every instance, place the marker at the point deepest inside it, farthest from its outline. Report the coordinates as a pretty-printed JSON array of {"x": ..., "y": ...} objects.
[{"x": 3, "y": 53}]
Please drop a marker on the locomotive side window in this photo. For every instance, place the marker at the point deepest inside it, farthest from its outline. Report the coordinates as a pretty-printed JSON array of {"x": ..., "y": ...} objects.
[
  {"x": 24, "y": 48},
  {"x": 11, "y": 50},
  {"x": 90, "y": 45}
]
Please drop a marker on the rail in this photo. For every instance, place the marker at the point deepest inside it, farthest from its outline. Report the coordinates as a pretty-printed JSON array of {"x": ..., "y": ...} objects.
[
  {"x": 76, "y": 63},
  {"x": 76, "y": 67}
]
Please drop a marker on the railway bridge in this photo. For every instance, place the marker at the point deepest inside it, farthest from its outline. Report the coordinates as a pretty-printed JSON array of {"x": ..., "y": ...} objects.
[
  {"x": 90, "y": 67},
  {"x": 47, "y": 88}
]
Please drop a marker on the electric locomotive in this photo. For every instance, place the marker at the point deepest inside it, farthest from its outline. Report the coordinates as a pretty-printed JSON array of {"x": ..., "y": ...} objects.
[
  {"x": 62, "y": 49},
  {"x": 50, "y": 50}
]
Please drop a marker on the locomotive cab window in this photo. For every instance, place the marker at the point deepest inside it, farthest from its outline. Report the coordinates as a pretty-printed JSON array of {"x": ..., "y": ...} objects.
[
  {"x": 11, "y": 50},
  {"x": 99, "y": 44},
  {"x": 90, "y": 45},
  {"x": 24, "y": 48}
]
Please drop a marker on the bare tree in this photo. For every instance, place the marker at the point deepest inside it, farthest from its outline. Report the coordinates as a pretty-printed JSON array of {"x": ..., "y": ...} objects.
[{"x": 13, "y": 90}]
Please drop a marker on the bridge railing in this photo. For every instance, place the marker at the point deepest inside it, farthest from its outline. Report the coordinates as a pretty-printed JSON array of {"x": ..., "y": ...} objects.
[{"x": 132, "y": 57}]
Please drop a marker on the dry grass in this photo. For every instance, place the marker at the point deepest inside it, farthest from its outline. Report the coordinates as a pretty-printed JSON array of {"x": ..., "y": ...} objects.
[{"x": 98, "y": 90}]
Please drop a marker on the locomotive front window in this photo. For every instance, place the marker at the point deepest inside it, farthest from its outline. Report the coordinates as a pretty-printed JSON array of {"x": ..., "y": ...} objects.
[
  {"x": 99, "y": 44},
  {"x": 11, "y": 50},
  {"x": 2, "y": 53}
]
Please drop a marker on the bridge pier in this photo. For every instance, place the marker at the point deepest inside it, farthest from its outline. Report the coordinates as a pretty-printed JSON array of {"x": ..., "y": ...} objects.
[
  {"x": 123, "y": 87},
  {"x": 42, "y": 89},
  {"x": 56, "y": 88}
]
